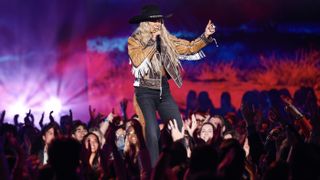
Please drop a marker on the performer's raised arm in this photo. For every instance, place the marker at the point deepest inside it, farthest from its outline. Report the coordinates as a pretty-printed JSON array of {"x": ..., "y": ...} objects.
[{"x": 185, "y": 47}]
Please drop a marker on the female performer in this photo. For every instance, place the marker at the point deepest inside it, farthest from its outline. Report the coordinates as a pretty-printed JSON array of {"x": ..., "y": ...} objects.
[{"x": 154, "y": 55}]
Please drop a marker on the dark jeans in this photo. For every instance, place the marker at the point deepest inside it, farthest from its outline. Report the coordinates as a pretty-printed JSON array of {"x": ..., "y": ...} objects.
[{"x": 150, "y": 102}]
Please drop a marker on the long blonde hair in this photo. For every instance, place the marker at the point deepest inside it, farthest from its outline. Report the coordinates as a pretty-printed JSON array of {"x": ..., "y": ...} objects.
[{"x": 143, "y": 32}]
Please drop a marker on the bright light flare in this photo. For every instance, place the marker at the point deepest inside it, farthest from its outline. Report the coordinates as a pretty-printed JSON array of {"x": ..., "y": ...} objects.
[
  {"x": 53, "y": 104},
  {"x": 19, "y": 108}
]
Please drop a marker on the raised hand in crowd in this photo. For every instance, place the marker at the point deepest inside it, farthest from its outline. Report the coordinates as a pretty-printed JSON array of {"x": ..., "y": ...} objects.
[
  {"x": 71, "y": 114},
  {"x": 28, "y": 118},
  {"x": 51, "y": 117},
  {"x": 124, "y": 105},
  {"x": 176, "y": 134},
  {"x": 95, "y": 118},
  {"x": 31, "y": 119},
  {"x": 191, "y": 125},
  {"x": 41, "y": 120},
  {"x": 3, "y": 114},
  {"x": 105, "y": 124},
  {"x": 110, "y": 117},
  {"x": 15, "y": 120}
]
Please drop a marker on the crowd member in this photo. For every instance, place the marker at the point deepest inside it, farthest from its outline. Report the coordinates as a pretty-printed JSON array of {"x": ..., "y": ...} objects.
[
  {"x": 64, "y": 156},
  {"x": 79, "y": 130},
  {"x": 91, "y": 157},
  {"x": 48, "y": 133},
  {"x": 206, "y": 132},
  {"x": 99, "y": 134}
]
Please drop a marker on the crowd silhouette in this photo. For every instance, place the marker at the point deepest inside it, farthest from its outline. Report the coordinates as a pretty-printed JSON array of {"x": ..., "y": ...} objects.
[{"x": 273, "y": 135}]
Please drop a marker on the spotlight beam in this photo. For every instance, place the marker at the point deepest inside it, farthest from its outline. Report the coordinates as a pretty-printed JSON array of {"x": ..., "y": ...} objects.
[
  {"x": 81, "y": 92},
  {"x": 40, "y": 87}
]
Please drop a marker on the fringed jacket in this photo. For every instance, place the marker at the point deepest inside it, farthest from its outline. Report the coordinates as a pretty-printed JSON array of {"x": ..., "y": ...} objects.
[{"x": 143, "y": 56}]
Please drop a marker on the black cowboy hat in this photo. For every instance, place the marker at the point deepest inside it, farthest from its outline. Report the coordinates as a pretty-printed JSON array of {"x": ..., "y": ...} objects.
[{"x": 148, "y": 13}]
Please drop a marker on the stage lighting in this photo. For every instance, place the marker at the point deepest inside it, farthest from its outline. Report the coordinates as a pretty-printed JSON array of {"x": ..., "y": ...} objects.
[
  {"x": 17, "y": 108},
  {"x": 53, "y": 104}
]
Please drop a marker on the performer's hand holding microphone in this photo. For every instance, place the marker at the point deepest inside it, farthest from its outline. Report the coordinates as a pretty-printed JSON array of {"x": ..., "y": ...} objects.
[
  {"x": 157, "y": 39},
  {"x": 158, "y": 43},
  {"x": 155, "y": 34}
]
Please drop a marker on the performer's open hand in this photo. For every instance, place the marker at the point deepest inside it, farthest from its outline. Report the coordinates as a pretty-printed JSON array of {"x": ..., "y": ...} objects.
[
  {"x": 191, "y": 125},
  {"x": 210, "y": 29}
]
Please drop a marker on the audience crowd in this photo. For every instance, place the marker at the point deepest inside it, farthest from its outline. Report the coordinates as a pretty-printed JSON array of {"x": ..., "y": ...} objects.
[{"x": 273, "y": 135}]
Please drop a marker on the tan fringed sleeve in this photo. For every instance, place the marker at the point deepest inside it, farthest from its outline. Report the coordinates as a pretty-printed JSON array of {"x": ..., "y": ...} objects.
[
  {"x": 138, "y": 53},
  {"x": 185, "y": 47}
]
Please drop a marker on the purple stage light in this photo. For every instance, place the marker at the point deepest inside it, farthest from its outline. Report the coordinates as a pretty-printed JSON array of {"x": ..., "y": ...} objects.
[
  {"x": 53, "y": 104},
  {"x": 18, "y": 107}
]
